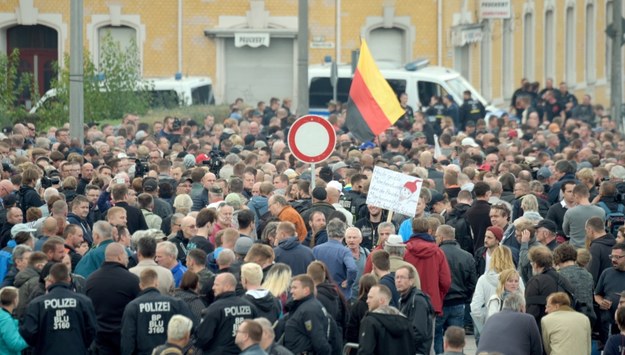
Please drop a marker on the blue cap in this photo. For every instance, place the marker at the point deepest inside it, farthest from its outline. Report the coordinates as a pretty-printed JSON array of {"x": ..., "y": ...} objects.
[{"x": 367, "y": 145}]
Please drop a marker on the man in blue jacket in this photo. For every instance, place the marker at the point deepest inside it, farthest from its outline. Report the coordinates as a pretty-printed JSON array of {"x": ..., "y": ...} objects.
[{"x": 289, "y": 250}]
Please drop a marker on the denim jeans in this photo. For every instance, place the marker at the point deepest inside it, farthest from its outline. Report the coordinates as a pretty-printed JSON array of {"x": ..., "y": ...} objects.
[{"x": 452, "y": 315}]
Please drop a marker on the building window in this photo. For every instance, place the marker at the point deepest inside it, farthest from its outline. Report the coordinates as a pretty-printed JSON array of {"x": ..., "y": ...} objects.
[
  {"x": 462, "y": 56},
  {"x": 125, "y": 36},
  {"x": 387, "y": 46},
  {"x": 550, "y": 45},
  {"x": 569, "y": 47},
  {"x": 507, "y": 58},
  {"x": 528, "y": 46},
  {"x": 486, "y": 62},
  {"x": 591, "y": 70}
]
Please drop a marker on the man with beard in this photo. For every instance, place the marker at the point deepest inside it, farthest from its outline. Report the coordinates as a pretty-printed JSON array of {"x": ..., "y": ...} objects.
[
  {"x": 369, "y": 226},
  {"x": 611, "y": 283},
  {"x": 317, "y": 234}
]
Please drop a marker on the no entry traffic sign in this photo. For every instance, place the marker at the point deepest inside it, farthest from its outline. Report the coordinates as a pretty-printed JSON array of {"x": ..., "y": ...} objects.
[{"x": 312, "y": 139}]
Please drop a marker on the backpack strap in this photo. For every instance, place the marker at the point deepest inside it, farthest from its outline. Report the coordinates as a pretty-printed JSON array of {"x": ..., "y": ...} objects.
[
  {"x": 621, "y": 208},
  {"x": 605, "y": 207}
]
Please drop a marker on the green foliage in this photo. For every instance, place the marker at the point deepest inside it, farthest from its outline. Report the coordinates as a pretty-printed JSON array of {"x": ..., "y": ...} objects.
[
  {"x": 14, "y": 86},
  {"x": 112, "y": 88}
]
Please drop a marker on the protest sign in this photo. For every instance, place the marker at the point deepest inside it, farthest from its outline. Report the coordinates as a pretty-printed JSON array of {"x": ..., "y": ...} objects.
[{"x": 394, "y": 191}]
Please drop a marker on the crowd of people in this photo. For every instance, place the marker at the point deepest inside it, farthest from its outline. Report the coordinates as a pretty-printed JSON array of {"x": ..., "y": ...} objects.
[{"x": 179, "y": 236}]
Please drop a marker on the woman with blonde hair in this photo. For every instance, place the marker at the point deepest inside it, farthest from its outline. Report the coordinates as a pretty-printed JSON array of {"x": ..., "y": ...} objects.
[
  {"x": 509, "y": 281},
  {"x": 277, "y": 282},
  {"x": 487, "y": 285},
  {"x": 529, "y": 205}
]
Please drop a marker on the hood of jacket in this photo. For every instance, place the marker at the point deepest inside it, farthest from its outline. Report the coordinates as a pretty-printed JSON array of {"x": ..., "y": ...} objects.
[
  {"x": 459, "y": 211},
  {"x": 23, "y": 276},
  {"x": 73, "y": 216},
  {"x": 492, "y": 278},
  {"x": 392, "y": 323},
  {"x": 264, "y": 301},
  {"x": 327, "y": 290},
  {"x": 259, "y": 201},
  {"x": 421, "y": 245},
  {"x": 607, "y": 240},
  {"x": 289, "y": 243}
]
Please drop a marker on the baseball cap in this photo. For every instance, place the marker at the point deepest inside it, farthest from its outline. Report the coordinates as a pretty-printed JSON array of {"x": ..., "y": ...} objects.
[
  {"x": 544, "y": 172},
  {"x": 338, "y": 166},
  {"x": 547, "y": 224},
  {"x": 367, "y": 145},
  {"x": 22, "y": 227},
  {"x": 150, "y": 185},
  {"x": 335, "y": 184},
  {"x": 200, "y": 158},
  {"x": 436, "y": 198},
  {"x": 394, "y": 240},
  {"x": 469, "y": 141}
]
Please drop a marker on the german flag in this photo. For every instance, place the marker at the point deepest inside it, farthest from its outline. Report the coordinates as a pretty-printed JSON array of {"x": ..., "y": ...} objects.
[{"x": 372, "y": 106}]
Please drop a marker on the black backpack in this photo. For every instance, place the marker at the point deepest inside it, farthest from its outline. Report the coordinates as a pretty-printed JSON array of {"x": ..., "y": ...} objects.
[
  {"x": 464, "y": 234},
  {"x": 580, "y": 307}
]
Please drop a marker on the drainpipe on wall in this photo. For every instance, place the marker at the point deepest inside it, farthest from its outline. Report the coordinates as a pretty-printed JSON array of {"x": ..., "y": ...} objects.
[
  {"x": 439, "y": 32},
  {"x": 179, "y": 73}
]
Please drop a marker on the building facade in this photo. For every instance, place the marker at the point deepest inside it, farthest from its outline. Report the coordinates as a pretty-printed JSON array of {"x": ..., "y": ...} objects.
[{"x": 249, "y": 47}]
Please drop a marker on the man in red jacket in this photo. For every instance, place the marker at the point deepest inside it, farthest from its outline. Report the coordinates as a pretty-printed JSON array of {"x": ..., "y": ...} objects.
[{"x": 425, "y": 255}]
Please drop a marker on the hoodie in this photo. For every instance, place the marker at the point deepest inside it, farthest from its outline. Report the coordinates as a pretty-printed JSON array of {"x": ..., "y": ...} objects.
[
  {"x": 259, "y": 205},
  {"x": 27, "y": 197},
  {"x": 485, "y": 287},
  {"x": 292, "y": 253},
  {"x": 266, "y": 304},
  {"x": 600, "y": 249},
  {"x": 386, "y": 334},
  {"x": 329, "y": 297},
  {"x": 431, "y": 263}
]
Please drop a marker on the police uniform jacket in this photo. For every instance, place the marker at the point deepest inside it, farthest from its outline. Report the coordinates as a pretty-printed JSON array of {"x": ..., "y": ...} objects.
[
  {"x": 216, "y": 332},
  {"x": 306, "y": 327},
  {"x": 59, "y": 322},
  {"x": 145, "y": 319}
]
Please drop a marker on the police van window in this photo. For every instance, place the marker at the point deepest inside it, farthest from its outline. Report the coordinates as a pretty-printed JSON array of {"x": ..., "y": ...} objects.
[
  {"x": 457, "y": 86},
  {"x": 164, "y": 99},
  {"x": 397, "y": 85},
  {"x": 427, "y": 89},
  {"x": 320, "y": 92},
  {"x": 202, "y": 95}
]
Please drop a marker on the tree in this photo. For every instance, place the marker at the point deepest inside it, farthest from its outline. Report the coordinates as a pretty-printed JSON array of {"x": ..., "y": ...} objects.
[
  {"x": 14, "y": 86},
  {"x": 112, "y": 88}
]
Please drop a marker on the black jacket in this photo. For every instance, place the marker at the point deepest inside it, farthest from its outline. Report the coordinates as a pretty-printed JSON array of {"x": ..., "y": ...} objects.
[
  {"x": 162, "y": 208},
  {"x": 27, "y": 197},
  {"x": 324, "y": 207},
  {"x": 84, "y": 225},
  {"x": 539, "y": 288},
  {"x": 266, "y": 304},
  {"x": 556, "y": 213},
  {"x": 479, "y": 219},
  {"x": 181, "y": 243},
  {"x": 329, "y": 297},
  {"x": 319, "y": 238},
  {"x": 463, "y": 274},
  {"x": 600, "y": 250},
  {"x": 457, "y": 219},
  {"x": 417, "y": 307},
  {"x": 144, "y": 323},
  {"x": 136, "y": 221},
  {"x": 216, "y": 332},
  {"x": 383, "y": 334},
  {"x": 357, "y": 312},
  {"x": 59, "y": 322},
  {"x": 109, "y": 305},
  {"x": 480, "y": 261},
  {"x": 306, "y": 328}
]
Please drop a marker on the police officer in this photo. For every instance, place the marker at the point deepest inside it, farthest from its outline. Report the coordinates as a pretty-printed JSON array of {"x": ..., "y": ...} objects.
[
  {"x": 471, "y": 110},
  {"x": 222, "y": 318},
  {"x": 61, "y": 321},
  {"x": 145, "y": 319},
  {"x": 306, "y": 327}
]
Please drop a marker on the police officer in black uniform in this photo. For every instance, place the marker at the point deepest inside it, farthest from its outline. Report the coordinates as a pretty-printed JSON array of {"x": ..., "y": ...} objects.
[
  {"x": 218, "y": 328},
  {"x": 61, "y": 321},
  {"x": 306, "y": 328},
  {"x": 145, "y": 319},
  {"x": 471, "y": 109}
]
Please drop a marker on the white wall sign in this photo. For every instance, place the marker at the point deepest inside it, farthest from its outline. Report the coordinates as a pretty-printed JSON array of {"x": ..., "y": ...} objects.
[
  {"x": 495, "y": 9},
  {"x": 254, "y": 40},
  {"x": 394, "y": 191}
]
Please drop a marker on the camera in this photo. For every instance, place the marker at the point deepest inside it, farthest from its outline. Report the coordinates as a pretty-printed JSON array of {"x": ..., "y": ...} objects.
[
  {"x": 215, "y": 163},
  {"x": 50, "y": 179},
  {"x": 177, "y": 124},
  {"x": 141, "y": 167}
]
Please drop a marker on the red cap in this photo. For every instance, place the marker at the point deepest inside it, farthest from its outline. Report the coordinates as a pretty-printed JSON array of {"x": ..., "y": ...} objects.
[
  {"x": 484, "y": 167},
  {"x": 513, "y": 133},
  {"x": 200, "y": 158},
  {"x": 498, "y": 232}
]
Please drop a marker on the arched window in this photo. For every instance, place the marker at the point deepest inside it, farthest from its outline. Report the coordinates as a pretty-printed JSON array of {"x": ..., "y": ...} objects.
[
  {"x": 569, "y": 46},
  {"x": 124, "y": 35},
  {"x": 591, "y": 70},
  {"x": 550, "y": 44},
  {"x": 387, "y": 46},
  {"x": 528, "y": 46},
  {"x": 486, "y": 61}
]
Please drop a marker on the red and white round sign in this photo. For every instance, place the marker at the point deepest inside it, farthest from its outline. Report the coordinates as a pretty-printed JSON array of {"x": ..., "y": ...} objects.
[{"x": 312, "y": 139}]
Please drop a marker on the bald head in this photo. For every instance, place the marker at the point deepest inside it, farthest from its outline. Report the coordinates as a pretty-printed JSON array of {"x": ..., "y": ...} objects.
[
  {"x": 115, "y": 252},
  {"x": 6, "y": 187},
  {"x": 228, "y": 281},
  {"x": 49, "y": 227},
  {"x": 333, "y": 194}
]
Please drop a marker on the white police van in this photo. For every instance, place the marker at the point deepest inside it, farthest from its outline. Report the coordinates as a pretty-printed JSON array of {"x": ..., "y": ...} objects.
[
  {"x": 167, "y": 92},
  {"x": 419, "y": 81}
]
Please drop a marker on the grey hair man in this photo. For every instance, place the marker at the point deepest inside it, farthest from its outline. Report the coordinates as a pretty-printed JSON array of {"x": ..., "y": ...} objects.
[{"x": 337, "y": 257}]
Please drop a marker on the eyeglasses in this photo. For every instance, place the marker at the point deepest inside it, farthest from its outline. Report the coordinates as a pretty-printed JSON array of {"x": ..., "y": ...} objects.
[{"x": 616, "y": 257}]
